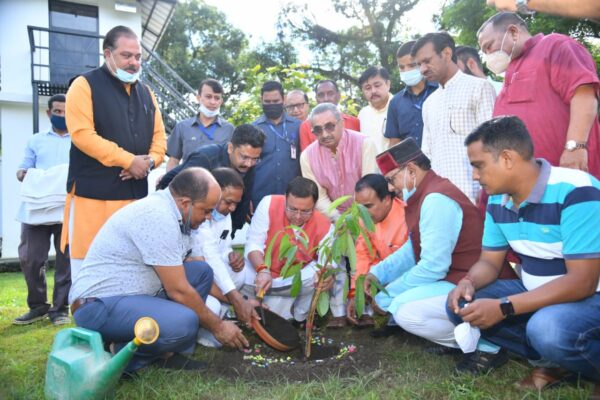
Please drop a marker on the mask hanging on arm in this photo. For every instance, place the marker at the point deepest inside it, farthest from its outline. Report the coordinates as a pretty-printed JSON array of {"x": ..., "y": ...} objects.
[
  {"x": 208, "y": 113},
  {"x": 273, "y": 111},
  {"x": 58, "y": 122},
  {"x": 412, "y": 77},
  {"x": 498, "y": 61},
  {"x": 405, "y": 192}
]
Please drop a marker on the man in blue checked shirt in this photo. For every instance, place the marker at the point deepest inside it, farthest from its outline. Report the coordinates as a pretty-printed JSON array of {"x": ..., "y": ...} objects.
[
  {"x": 45, "y": 150},
  {"x": 550, "y": 217}
]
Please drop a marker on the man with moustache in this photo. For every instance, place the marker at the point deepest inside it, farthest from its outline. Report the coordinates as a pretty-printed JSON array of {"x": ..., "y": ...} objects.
[
  {"x": 297, "y": 104},
  {"x": 375, "y": 86}
]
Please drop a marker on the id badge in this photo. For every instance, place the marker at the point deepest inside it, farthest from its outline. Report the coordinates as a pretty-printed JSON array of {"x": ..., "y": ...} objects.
[{"x": 293, "y": 151}]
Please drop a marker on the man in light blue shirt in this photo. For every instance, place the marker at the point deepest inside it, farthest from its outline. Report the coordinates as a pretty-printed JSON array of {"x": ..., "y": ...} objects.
[
  {"x": 441, "y": 246},
  {"x": 45, "y": 150},
  {"x": 549, "y": 216}
]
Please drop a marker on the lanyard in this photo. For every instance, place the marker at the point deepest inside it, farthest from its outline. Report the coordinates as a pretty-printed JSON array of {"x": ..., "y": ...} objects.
[
  {"x": 210, "y": 132},
  {"x": 285, "y": 135}
]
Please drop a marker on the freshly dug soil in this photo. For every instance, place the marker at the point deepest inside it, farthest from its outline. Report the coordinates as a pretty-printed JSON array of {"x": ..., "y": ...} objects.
[
  {"x": 279, "y": 328},
  {"x": 343, "y": 352}
]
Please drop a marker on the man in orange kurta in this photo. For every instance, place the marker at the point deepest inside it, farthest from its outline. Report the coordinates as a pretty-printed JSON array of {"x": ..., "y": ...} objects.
[
  {"x": 118, "y": 136},
  {"x": 390, "y": 233}
]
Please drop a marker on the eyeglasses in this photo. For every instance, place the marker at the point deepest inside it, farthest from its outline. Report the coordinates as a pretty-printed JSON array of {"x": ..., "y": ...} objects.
[
  {"x": 390, "y": 179},
  {"x": 291, "y": 107},
  {"x": 329, "y": 127},
  {"x": 247, "y": 159},
  {"x": 304, "y": 213}
]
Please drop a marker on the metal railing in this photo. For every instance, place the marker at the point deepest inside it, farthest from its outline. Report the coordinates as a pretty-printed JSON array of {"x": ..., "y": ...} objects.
[{"x": 50, "y": 75}]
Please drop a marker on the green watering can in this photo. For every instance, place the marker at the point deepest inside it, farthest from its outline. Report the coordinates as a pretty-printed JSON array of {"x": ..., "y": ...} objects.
[{"x": 79, "y": 368}]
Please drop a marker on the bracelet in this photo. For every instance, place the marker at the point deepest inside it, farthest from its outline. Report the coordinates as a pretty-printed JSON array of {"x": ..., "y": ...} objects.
[{"x": 261, "y": 267}]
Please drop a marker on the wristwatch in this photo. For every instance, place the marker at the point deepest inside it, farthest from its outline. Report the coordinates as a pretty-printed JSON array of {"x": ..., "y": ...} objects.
[
  {"x": 506, "y": 307},
  {"x": 572, "y": 145},
  {"x": 522, "y": 7},
  {"x": 151, "y": 164}
]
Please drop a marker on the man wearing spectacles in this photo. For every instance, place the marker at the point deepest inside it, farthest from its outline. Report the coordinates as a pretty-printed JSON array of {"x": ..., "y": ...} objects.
[
  {"x": 338, "y": 159},
  {"x": 278, "y": 213},
  {"x": 326, "y": 91},
  {"x": 242, "y": 154},
  {"x": 297, "y": 105}
]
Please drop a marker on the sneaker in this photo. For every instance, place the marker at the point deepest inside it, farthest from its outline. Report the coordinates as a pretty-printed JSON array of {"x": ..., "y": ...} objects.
[
  {"x": 60, "y": 319},
  {"x": 479, "y": 362},
  {"x": 31, "y": 316},
  {"x": 439, "y": 350}
]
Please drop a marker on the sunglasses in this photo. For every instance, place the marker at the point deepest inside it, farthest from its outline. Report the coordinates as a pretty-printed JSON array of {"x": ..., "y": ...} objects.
[{"x": 329, "y": 127}]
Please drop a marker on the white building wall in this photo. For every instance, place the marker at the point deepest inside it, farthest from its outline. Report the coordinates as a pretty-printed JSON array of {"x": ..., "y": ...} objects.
[{"x": 16, "y": 119}]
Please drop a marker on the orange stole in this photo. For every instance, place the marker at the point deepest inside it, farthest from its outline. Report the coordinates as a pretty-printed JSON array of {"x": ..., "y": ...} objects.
[{"x": 316, "y": 228}]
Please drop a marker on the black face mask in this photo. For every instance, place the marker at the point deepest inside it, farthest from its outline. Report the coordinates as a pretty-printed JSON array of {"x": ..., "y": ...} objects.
[{"x": 273, "y": 111}]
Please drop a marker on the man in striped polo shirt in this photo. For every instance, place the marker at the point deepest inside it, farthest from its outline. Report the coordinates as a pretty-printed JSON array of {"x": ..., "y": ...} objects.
[{"x": 550, "y": 217}]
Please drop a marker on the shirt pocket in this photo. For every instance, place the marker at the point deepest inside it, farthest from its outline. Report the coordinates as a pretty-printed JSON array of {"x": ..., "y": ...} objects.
[
  {"x": 462, "y": 119},
  {"x": 522, "y": 87}
]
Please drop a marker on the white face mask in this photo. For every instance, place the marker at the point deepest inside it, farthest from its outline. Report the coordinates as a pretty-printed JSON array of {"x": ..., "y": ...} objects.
[
  {"x": 124, "y": 76},
  {"x": 412, "y": 77},
  {"x": 208, "y": 113},
  {"x": 498, "y": 61}
]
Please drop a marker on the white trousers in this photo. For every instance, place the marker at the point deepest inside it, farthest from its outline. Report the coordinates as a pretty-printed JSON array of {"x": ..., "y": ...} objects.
[
  {"x": 427, "y": 318},
  {"x": 205, "y": 337}
]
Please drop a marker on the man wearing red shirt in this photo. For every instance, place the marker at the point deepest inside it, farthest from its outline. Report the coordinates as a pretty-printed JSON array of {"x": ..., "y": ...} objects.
[
  {"x": 551, "y": 83},
  {"x": 327, "y": 92}
]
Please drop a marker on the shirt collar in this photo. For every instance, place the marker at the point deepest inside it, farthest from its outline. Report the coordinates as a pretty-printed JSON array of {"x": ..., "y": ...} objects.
[
  {"x": 384, "y": 109},
  {"x": 217, "y": 120},
  {"x": 264, "y": 120},
  {"x": 530, "y": 43},
  {"x": 452, "y": 80},
  {"x": 535, "y": 197},
  {"x": 52, "y": 133},
  {"x": 428, "y": 86}
]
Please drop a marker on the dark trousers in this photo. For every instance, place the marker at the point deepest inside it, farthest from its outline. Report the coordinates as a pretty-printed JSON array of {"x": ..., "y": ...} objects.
[{"x": 33, "y": 254}]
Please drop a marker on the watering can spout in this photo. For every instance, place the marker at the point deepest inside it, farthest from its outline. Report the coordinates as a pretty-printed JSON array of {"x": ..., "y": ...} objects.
[{"x": 78, "y": 367}]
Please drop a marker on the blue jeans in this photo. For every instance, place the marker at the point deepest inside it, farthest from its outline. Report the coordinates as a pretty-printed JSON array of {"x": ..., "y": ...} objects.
[
  {"x": 114, "y": 317},
  {"x": 566, "y": 334}
]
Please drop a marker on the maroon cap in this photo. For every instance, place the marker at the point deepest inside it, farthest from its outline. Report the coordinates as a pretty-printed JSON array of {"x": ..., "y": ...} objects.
[{"x": 398, "y": 155}]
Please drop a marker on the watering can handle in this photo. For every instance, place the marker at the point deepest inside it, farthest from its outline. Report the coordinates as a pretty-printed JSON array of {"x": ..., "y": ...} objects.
[{"x": 92, "y": 338}]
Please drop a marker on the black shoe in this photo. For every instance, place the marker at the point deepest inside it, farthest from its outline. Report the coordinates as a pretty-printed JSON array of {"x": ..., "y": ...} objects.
[
  {"x": 386, "y": 331},
  {"x": 180, "y": 362},
  {"x": 479, "y": 362},
  {"x": 441, "y": 350},
  {"x": 30, "y": 317},
  {"x": 60, "y": 319}
]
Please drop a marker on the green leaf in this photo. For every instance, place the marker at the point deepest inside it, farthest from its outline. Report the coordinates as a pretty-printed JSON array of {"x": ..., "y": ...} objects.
[
  {"x": 337, "y": 202},
  {"x": 375, "y": 285},
  {"x": 336, "y": 250},
  {"x": 352, "y": 225},
  {"x": 296, "y": 284},
  {"x": 366, "y": 218},
  {"x": 351, "y": 252},
  {"x": 323, "y": 303},
  {"x": 290, "y": 257},
  {"x": 359, "y": 295},
  {"x": 367, "y": 240},
  {"x": 293, "y": 270},
  {"x": 270, "y": 249},
  {"x": 284, "y": 245}
]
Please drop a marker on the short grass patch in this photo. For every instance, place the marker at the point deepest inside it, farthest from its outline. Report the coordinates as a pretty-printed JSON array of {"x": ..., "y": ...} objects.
[{"x": 404, "y": 370}]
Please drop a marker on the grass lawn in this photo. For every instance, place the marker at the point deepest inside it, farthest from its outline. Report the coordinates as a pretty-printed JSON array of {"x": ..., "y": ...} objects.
[{"x": 405, "y": 372}]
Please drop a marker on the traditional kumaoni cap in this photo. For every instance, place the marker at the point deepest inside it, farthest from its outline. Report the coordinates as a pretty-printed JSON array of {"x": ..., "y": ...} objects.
[{"x": 398, "y": 155}]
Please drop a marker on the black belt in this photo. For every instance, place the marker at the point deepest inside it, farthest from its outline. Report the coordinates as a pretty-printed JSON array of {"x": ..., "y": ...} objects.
[{"x": 79, "y": 302}]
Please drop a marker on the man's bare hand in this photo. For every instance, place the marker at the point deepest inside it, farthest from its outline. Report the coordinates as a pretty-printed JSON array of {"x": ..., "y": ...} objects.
[
  {"x": 482, "y": 313},
  {"x": 576, "y": 159},
  {"x": 351, "y": 312},
  {"x": 263, "y": 280},
  {"x": 503, "y": 5},
  {"x": 463, "y": 290},
  {"x": 21, "y": 174},
  {"x": 229, "y": 334},
  {"x": 236, "y": 261},
  {"x": 244, "y": 311},
  {"x": 139, "y": 167}
]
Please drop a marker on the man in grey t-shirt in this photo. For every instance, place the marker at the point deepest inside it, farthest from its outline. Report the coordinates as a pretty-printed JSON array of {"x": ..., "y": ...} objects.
[{"x": 138, "y": 265}]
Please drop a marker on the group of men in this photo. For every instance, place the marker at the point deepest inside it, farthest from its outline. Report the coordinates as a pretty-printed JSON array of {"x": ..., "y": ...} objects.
[{"x": 420, "y": 162}]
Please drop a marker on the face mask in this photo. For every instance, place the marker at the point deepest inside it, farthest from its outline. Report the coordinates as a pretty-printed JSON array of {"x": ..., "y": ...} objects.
[
  {"x": 217, "y": 216},
  {"x": 498, "y": 61},
  {"x": 412, "y": 77},
  {"x": 405, "y": 192},
  {"x": 186, "y": 226},
  {"x": 124, "y": 76},
  {"x": 273, "y": 111},
  {"x": 208, "y": 113},
  {"x": 58, "y": 122}
]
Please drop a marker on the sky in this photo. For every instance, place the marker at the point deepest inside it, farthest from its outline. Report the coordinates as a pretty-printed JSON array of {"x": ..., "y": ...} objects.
[{"x": 258, "y": 18}]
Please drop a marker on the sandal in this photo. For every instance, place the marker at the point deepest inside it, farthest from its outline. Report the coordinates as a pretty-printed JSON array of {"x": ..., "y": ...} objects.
[
  {"x": 544, "y": 378},
  {"x": 479, "y": 362}
]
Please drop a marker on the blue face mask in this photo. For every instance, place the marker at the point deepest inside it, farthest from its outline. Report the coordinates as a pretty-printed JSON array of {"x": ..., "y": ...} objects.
[
  {"x": 217, "y": 216},
  {"x": 405, "y": 192},
  {"x": 124, "y": 76},
  {"x": 412, "y": 77},
  {"x": 58, "y": 122}
]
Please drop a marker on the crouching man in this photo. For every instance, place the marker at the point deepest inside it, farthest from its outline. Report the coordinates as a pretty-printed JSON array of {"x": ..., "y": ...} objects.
[
  {"x": 136, "y": 267},
  {"x": 549, "y": 216},
  {"x": 274, "y": 214}
]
